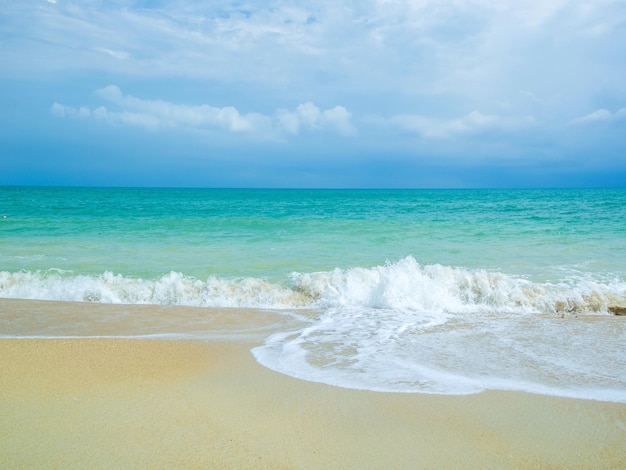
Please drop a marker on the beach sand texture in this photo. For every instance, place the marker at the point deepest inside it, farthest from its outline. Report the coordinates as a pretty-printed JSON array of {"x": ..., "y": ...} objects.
[{"x": 114, "y": 403}]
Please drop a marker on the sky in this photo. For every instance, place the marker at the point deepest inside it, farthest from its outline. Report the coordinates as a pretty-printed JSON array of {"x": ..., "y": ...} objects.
[{"x": 341, "y": 93}]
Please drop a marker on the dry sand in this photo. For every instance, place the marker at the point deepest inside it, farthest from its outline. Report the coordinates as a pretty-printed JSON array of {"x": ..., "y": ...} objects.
[{"x": 124, "y": 403}]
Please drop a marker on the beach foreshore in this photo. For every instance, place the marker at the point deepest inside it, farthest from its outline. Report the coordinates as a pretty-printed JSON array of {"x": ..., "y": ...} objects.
[
  {"x": 153, "y": 403},
  {"x": 113, "y": 403}
]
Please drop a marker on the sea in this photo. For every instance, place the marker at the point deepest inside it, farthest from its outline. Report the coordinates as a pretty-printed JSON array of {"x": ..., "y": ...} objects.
[{"x": 410, "y": 291}]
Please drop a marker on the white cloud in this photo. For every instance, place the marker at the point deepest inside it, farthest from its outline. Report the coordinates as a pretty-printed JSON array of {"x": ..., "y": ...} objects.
[
  {"x": 167, "y": 114},
  {"x": 309, "y": 116},
  {"x": 101, "y": 113},
  {"x": 472, "y": 123},
  {"x": 116, "y": 54},
  {"x": 339, "y": 118},
  {"x": 536, "y": 13},
  {"x": 159, "y": 114},
  {"x": 176, "y": 37},
  {"x": 601, "y": 115}
]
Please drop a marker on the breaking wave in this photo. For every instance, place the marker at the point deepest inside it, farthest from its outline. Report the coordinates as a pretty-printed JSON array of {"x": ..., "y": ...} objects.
[{"x": 404, "y": 285}]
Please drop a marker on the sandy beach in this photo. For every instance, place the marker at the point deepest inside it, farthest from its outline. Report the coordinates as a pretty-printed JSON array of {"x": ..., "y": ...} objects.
[{"x": 113, "y": 403}]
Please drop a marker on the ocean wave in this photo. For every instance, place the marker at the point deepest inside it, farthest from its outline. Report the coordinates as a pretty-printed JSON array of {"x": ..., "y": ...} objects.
[
  {"x": 170, "y": 289},
  {"x": 408, "y": 285},
  {"x": 405, "y": 285}
]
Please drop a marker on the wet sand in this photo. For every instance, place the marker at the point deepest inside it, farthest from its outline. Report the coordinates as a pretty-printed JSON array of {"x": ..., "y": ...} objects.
[{"x": 113, "y": 403}]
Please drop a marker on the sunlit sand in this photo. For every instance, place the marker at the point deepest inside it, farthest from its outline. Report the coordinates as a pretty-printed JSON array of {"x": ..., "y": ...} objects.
[{"x": 140, "y": 403}]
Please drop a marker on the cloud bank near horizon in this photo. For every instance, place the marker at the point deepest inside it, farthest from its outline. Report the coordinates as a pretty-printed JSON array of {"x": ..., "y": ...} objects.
[{"x": 154, "y": 115}]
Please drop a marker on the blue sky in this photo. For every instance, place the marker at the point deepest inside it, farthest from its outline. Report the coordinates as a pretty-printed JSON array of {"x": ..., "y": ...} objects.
[{"x": 368, "y": 93}]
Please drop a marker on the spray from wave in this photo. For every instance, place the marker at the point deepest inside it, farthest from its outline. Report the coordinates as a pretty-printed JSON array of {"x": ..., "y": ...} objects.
[{"x": 405, "y": 285}]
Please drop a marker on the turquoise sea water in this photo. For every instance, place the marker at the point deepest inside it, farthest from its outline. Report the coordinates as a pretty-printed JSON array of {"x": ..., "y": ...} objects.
[{"x": 413, "y": 290}]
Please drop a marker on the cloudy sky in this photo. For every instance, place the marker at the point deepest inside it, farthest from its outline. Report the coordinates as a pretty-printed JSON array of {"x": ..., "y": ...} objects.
[{"x": 342, "y": 93}]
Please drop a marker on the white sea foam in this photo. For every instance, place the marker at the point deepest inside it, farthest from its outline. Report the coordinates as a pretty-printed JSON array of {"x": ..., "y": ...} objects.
[
  {"x": 409, "y": 285},
  {"x": 445, "y": 353},
  {"x": 403, "y": 285},
  {"x": 170, "y": 289}
]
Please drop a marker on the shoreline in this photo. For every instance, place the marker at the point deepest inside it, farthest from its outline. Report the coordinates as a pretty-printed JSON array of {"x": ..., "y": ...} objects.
[{"x": 102, "y": 403}]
